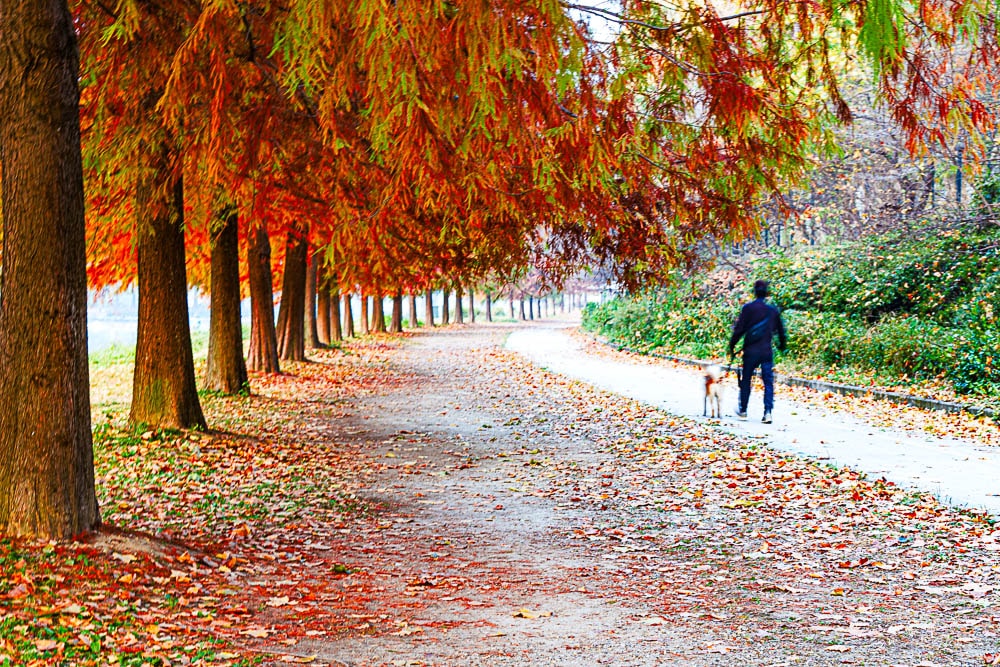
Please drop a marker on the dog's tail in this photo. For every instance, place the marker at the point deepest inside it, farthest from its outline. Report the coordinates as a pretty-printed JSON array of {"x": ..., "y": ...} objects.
[{"x": 713, "y": 372}]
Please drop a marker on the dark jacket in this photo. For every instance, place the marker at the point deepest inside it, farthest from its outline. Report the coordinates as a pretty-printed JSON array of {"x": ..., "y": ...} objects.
[{"x": 767, "y": 316}]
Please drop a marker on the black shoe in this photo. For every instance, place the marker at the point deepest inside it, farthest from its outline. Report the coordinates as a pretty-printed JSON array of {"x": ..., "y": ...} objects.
[
  {"x": 767, "y": 417},
  {"x": 742, "y": 414}
]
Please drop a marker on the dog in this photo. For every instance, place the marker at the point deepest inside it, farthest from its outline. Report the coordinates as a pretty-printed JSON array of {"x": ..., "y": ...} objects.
[{"x": 713, "y": 391}]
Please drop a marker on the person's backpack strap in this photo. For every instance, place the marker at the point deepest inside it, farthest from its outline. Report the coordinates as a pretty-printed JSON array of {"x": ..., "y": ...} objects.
[{"x": 757, "y": 332}]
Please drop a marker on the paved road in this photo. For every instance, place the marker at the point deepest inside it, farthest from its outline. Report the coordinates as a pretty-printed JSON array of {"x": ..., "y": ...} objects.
[{"x": 958, "y": 472}]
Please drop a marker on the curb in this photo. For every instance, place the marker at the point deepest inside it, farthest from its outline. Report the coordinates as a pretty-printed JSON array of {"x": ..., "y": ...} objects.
[{"x": 834, "y": 387}]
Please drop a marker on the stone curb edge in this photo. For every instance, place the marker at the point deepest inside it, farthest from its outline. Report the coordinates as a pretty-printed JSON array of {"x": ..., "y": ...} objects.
[{"x": 835, "y": 387}]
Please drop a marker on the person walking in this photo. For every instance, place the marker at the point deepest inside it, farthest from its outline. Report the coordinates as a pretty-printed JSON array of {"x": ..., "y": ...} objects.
[{"x": 757, "y": 324}]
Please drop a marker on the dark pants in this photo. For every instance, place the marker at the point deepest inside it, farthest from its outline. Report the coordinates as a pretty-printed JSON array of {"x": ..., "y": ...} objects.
[{"x": 750, "y": 364}]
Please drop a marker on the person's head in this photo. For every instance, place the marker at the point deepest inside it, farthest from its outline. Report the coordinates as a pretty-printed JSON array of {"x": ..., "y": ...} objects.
[{"x": 760, "y": 290}]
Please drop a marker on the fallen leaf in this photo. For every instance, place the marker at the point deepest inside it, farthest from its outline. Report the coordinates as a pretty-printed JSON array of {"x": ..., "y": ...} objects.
[{"x": 259, "y": 633}]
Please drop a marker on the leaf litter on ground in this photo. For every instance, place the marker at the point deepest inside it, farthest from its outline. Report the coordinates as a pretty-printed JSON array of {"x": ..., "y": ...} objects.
[{"x": 287, "y": 524}]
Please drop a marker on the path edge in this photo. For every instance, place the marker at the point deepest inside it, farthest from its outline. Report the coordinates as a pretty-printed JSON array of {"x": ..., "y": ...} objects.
[{"x": 821, "y": 385}]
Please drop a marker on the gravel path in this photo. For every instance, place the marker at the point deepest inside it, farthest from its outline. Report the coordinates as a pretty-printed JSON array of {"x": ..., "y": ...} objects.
[{"x": 535, "y": 520}]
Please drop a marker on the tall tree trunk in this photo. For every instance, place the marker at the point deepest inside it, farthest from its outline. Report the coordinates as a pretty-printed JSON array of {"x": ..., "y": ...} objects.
[
  {"x": 489, "y": 307},
  {"x": 164, "y": 393},
  {"x": 324, "y": 316},
  {"x": 348, "y": 317},
  {"x": 428, "y": 308},
  {"x": 445, "y": 315},
  {"x": 524, "y": 315},
  {"x": 292, "y": 311},
  {"x": 414, "y": 322},
  {"x": 312, "y": 329},
  {"x": 46, "y": 450},
  {"x": 396, "y": 325},
  {"x": 263, "y": 353},
  {"x": 459, "y": 315},
  {"x": 531, "y": 307},
  {"x": 336, "y": 333},
  {"x": 364, "y": 314},
  {"x": 510, "y": 296},
  {"x": 472, "y": 305},
  {"x": 226, "y": 370},
  {"x": 378, "y": 314}
]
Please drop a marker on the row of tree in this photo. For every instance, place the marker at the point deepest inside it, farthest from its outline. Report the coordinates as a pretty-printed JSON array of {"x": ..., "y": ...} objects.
[{"x": 399, "y": 143}]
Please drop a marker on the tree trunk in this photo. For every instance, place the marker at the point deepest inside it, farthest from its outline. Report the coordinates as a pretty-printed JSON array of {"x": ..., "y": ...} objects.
[
  {"x": 428, "y": 308},
  {"x": 226, "y": 370},
  {"x": 524, "y": 315},
  {"x": 472, "y": 305},
  {"x": 46, "y": 450},
  {"x": 263, "y": 354},
  {"x": 445, "y": 315},
  {"x": 312, "y": 329},
  {"x": 164, "y": 393},
  {"x": 292, "y": 311},
  {"x": 531, "y": 307},
  {"x": 396, "y": 325},
  {"x": 414, "y": 322},
  {"x": 336, "y": 333},
  {"x": 348, "y": 317},
  {"x": 324, "y": 316},
  {"x": 378, "y": 314},
  {"x": 489, "y": 307},
  {"x": 459, "y": 315},
  {"x": 511, "y": 299},
  {"x": 364, "y": 314}
]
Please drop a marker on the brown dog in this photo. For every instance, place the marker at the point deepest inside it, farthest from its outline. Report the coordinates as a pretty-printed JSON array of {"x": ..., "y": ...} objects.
[{"x": 713, "y": 391}]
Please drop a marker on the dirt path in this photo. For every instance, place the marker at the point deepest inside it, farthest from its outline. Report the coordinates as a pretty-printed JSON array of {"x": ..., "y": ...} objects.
[{"x": 525, "y": 519}]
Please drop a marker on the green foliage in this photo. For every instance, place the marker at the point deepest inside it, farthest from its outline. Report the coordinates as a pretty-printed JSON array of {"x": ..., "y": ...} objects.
[{"x": 900, "y": 308}]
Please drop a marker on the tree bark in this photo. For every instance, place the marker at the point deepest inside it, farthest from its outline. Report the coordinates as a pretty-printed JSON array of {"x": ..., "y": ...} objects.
[
  {"x": 46, "y": 448},
  {"x": 164, "y": 394},
  {"x": 378, "y": 314},
  {"x": 428, "y": 308},
  {"x": 459, "y": 315},
  {"x": 511, "y": 299},
  {"x": 348, "y": 317},
  {"x": 489, "y": 307},
  {"x": 336, "y": 333},
  {"x": 263, "y": 354},
  {"x": 324, "y": 316},
  {"x": 414, "y": 322},
  {"x": 396, "y": 325},
  {"x": 292, "y": 311},
  {"x": 472, "y": 305},
  {"x": 445, "y": 315},
  {"x": 226, "y": 370},
  {"x": 312, "y": 331},
  {"x": 364, "y": 314},
  {"x": 524, "y": 315},
  {"x": 531, "y": 307}
]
